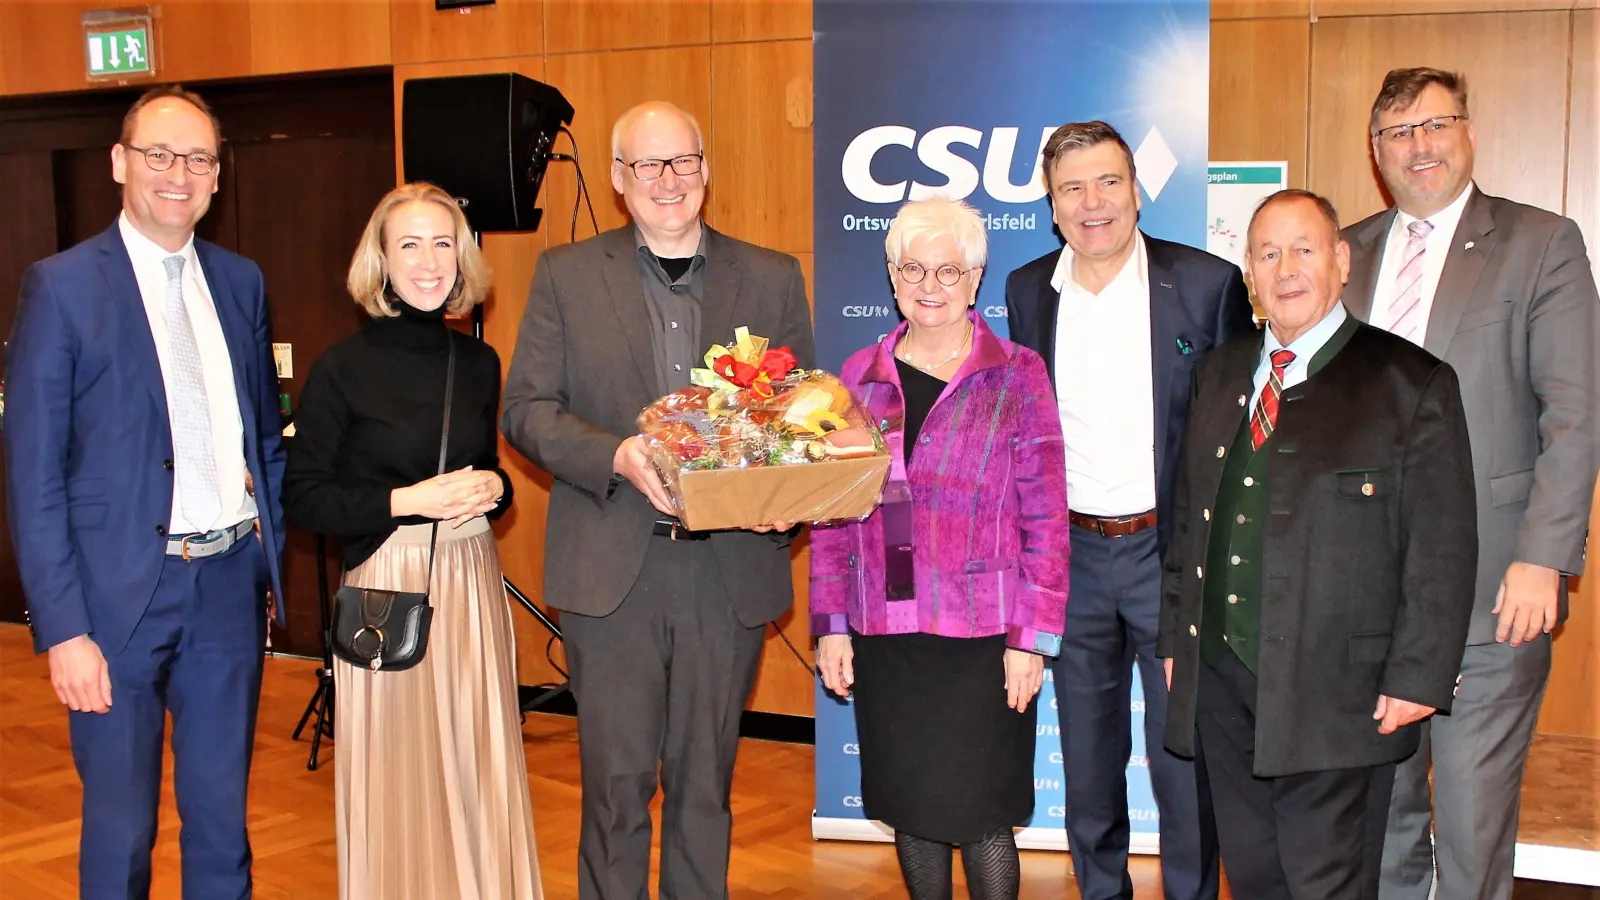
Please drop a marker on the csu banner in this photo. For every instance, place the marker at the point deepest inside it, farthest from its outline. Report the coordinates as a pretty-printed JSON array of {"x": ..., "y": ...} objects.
[{"x": 955, "y": 98}]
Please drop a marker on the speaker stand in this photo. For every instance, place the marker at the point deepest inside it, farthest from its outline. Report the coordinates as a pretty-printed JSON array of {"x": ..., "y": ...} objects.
[{"x": 321, "y": 704}]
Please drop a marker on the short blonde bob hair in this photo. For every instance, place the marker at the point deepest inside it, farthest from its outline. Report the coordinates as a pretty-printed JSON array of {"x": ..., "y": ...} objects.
[
  {"x": 935, "y": 217},
  {"x": 368, "y": 281}
]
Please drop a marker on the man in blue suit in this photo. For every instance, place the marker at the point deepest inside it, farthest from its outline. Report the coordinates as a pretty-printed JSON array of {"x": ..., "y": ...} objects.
[
  {"x": 143, "y": 467},
  {"x": 1120, "y": 318}
]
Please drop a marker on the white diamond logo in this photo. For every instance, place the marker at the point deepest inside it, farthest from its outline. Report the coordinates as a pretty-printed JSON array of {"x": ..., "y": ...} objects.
[{"x": 1155, "y": 162}]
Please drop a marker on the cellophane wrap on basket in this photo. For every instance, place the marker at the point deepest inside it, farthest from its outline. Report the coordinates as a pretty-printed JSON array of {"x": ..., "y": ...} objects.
[{"x": 755, "y": 440}]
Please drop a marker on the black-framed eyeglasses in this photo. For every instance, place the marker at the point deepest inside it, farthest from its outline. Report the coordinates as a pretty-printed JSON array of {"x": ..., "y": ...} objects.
[
  {"x": 947, "y": 274},
  {"x": 161, "y": 159},
  {"x": 651, "y": 169},
  {"x": 1400, "y": 134}
]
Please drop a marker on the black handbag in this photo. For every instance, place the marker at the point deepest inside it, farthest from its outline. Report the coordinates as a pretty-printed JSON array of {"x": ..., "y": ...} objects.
[{"x": 388, "y": 630}]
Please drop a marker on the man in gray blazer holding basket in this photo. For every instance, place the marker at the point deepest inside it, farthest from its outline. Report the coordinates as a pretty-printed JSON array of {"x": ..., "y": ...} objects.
[
  {"x": 1505, "y": 294},
  {"x": 663, "y": 626}
]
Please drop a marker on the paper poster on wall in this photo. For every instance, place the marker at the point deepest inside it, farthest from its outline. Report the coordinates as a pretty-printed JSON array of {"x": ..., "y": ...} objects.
[{"x": 1232, "y": 191}]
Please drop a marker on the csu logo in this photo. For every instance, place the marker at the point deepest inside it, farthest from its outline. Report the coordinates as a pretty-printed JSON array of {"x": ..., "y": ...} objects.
[
  {"x": 852, "y": 749},
  {"x": 866, "y": 312},
  {"x": 1056, "y": 812},
  {"x": 995, "y": 312},
  {"x": 933, "y": 150},
  {"x": 1056, "y": 759},
  {"x": 852, "y": 803},
  {"x": 1140, "y": 762}
]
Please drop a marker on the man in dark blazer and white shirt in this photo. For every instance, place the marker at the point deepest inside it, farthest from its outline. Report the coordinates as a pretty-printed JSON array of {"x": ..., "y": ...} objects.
[
  {"x": 143, "y": 465},
  {"x": 1504, "y": 293},
  {"x": 1121, "y": 319},
  {"x": 1318, "y": 585},
  {"x": 663, "y": 627}
]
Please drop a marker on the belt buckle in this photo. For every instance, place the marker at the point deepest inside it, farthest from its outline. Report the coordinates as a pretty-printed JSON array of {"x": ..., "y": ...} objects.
[
  {"x": 183, "y": 547},
  {"x": 674, "y": 534}
]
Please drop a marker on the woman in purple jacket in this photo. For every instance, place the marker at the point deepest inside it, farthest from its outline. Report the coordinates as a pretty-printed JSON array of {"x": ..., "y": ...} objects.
[{"x": 939, "y": 608}]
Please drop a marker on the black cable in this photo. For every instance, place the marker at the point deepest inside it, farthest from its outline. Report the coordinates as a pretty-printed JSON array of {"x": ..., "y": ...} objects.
[
  {"x": 583, "y": 188},
  {"x": 548, "y": 645},
  {"x": 802, "y": 659}
]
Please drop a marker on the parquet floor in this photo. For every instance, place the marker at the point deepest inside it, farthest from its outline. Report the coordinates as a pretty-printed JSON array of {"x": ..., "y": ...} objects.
[{"x": 292, "y": 809}]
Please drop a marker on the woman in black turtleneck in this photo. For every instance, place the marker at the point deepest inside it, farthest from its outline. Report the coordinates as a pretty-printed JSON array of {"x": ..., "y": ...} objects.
[{"x": 431, "y": 787}]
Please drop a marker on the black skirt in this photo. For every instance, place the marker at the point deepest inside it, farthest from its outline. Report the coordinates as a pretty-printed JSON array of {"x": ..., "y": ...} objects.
[{"x": 942, "y": 755}]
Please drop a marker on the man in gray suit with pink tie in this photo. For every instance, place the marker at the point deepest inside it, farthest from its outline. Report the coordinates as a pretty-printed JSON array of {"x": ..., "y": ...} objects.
[{"x": 1505, "y": 294}]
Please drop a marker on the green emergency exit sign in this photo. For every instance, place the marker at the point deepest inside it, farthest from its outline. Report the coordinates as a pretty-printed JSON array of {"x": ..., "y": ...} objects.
[{"x": 124, "y": 52}]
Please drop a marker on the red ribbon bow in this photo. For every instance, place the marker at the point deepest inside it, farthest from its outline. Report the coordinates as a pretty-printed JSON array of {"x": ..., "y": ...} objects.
[{"x": 775, "y": 364}]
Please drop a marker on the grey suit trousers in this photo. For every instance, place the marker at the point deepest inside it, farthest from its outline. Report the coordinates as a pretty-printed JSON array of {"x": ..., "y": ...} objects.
[
  {"x": 660, "y": 684},
  {"x": 1478, "y": 752}
]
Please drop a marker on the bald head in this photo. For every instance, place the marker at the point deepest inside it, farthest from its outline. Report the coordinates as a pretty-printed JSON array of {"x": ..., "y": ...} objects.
[
  {"x": 655, "y": 118},
  {"x": 658, "y": 166}
]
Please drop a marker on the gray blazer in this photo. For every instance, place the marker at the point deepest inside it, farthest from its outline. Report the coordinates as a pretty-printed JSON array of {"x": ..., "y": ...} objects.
[
  {"x": 582, "y": 371},
  {"x": 1517, "y": 316}
]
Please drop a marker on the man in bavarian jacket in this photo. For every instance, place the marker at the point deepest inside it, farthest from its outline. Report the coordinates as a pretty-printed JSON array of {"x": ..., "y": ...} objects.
[{"x": 1317, "y": 591}]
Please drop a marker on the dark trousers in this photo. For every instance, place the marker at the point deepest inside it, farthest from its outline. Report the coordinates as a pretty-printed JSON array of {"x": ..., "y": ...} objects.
[
  {"x": 660, "y": 684},
  {"x": 1112, "y": 620},
  {"x": 196, "y": 653},
  {"x": 1313, "y": 836}
]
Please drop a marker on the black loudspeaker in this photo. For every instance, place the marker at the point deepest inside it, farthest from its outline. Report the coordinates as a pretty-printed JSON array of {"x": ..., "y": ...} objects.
[{"x": 485, "y": 139}]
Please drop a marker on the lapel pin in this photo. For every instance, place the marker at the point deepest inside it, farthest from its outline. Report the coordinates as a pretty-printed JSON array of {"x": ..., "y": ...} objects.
[
  {"x": 1367, "y": 489},
  {"x": 1470, "y": 245},
  {"x": 1165, "y": 285}
]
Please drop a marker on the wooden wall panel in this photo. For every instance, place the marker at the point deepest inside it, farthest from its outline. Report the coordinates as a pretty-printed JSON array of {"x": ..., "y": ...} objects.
[
  {"x": 1256, "y": 9},
  {"x": 1259, "y": 85},
  {"x": 760, "y": 20},
  {"x": 1330, "y": 8},
  {"x": 1570, "y": 705},
  {"x": 424, "y": 34},
  {"x": 40, "y": 45},
  {"x": 311, "y": 35},
  {"x": 579, "y": 25},
  {"x": 1583, "y": 131},
  {"x": 201, "y": 40},
  {"x": 761, "y": 178},
  {"x": 1517, "y": 99},
  {"x": 601, "y": 86}
]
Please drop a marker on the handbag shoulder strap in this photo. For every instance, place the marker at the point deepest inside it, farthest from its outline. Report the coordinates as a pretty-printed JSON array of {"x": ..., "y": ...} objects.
[{"x": 444, "y": 441}]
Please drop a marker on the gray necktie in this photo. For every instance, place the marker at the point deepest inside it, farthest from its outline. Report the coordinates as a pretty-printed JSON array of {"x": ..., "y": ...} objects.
[{"x": 191, "y": 413}]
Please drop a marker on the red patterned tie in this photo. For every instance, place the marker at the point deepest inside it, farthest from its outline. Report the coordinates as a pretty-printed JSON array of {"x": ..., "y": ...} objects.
[{"x": 1265, "y": 417}]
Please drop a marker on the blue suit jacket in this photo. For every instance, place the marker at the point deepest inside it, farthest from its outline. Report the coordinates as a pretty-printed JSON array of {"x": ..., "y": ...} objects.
[
  {"x": 88, "y": 445},
  {"x": 1197, "y": 301}
]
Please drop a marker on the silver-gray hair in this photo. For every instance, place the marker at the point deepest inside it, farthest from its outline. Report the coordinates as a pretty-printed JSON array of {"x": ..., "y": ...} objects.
[{"x": 934, "y": 217}]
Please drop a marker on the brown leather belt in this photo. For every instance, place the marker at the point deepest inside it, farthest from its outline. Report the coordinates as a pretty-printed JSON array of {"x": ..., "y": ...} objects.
[{"x": 1121, "y": 526}]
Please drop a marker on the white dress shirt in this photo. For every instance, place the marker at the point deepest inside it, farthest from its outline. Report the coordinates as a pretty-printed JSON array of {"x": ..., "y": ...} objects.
[
  {"x": 1303, "y": 347},
  {"x": 216, "y": 366},
  {"x": 1437, "y": 247},
  {"x": 1105, "y": 389}
]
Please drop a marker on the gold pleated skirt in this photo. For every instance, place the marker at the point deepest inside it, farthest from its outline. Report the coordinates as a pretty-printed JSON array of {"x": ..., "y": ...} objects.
[{"x": 430, "y": 781}]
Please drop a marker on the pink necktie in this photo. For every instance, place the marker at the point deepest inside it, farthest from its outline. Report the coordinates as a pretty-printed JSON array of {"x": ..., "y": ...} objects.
[{"x": 1405, "y": 311}]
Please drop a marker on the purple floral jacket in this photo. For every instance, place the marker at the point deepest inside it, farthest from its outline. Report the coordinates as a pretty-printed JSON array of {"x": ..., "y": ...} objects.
[{"x": 989, "y": 506}]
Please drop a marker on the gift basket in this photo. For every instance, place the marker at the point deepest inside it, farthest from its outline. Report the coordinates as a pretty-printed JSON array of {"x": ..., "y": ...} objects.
[{"x": 756, "y": 440}]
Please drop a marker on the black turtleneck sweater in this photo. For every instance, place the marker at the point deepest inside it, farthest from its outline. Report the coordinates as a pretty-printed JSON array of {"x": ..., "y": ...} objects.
[{"x": 369, "y": 422}]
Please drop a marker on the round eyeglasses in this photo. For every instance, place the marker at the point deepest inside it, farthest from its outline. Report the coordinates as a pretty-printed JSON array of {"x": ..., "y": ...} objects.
[
  {"x": 161, "y": 159},
  {"x": 651, "y": 169},
  {"x": 948, "y": 275}
]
